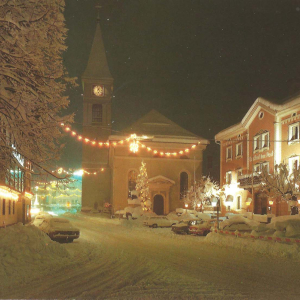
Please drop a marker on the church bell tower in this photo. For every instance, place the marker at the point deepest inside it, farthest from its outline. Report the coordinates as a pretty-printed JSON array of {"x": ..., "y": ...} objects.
[{"x": 97, "y": 85}]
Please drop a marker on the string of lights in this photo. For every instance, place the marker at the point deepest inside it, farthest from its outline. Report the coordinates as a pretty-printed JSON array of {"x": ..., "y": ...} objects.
[
  {"x": 77, "y": 172},
  {"x": 134, "y": 140}
]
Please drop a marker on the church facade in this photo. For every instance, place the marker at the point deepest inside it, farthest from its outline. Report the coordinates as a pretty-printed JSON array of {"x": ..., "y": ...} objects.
[{"x": 173, "y": 155}]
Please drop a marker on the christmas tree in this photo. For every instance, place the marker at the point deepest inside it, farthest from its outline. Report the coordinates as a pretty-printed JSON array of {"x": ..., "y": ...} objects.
[{"x": 142, "y": 187}]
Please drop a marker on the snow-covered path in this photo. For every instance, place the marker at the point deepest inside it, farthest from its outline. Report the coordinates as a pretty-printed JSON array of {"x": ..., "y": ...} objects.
[{"x": 116, "y": 260}]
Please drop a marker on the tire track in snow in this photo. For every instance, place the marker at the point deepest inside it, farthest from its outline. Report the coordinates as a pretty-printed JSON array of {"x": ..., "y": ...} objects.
[{"x": 114, "y": 262}]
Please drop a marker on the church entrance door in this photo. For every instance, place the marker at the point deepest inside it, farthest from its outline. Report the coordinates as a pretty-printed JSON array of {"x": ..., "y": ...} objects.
[{"x": 158, "y": 204}]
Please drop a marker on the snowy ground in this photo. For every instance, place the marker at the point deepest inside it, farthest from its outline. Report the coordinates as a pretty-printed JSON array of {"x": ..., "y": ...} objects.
[{"x": 120, "y": 259}]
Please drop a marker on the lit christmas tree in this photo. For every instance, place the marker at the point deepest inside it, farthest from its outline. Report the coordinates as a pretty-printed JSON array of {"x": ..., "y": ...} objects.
[{"x": 142, "y": 187}]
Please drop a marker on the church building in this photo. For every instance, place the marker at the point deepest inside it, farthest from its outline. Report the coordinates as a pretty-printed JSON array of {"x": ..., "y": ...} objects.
[{"x": 173, "y": 155}]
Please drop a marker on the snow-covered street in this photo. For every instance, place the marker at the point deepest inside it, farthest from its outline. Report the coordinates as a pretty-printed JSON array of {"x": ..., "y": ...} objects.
[{"x": 120, "y": 259}]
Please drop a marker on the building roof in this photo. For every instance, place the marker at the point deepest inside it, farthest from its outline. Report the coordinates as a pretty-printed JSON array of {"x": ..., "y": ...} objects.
[
  {"x": 156, "y": 125},
  {"x": 97, "y": 66}
]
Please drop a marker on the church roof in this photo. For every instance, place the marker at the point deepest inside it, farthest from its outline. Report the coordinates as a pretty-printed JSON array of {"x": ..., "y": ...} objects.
[
  {"x": 97, "y": 67},
  {"x": 155, "y": 124}
]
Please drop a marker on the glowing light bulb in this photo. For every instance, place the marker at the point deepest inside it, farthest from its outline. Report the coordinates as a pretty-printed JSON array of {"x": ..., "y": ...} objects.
[{"x": 134, "y": 147}]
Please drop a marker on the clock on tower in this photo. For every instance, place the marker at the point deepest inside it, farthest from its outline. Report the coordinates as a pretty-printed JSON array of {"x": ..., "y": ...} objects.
[{"x": 98, "y": 90}]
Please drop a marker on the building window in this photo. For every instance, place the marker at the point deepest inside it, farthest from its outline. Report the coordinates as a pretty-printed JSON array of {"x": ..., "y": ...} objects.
[
  {"x": 9, "y": 207},
  {"x": 293, "y": 163},
  {"x": 239, "y": 150},
  {"x": 294, "y": 132},
  {"x": 261, "y": 141},
  {"x": 97, "y": 113},
  {"x": 261, "y": 115},
  {"x": 239, "y": 172},
  {"x": 238, "y": 202},
  {"x": 184, "y": 184},
  {"x": 132, "y": 175},
  {"x": 228, "y": 177},
  {"x": 266, "y": 166},
  {"x": 3, "y": 207},
  {"x": 229, "y": 153},
  {"x": 257, "y": 168}
]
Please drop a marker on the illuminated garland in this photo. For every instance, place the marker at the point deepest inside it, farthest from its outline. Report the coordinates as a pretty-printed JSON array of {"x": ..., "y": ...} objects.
[
  {"x": 134, "y": 144},
  {"x": 78, "y": 172}
]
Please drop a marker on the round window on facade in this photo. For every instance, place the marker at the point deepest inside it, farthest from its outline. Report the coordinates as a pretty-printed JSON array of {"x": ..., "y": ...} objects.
[{"x": 261, "y": 115}]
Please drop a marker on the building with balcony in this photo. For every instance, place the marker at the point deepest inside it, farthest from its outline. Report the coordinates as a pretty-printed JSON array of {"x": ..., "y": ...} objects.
[{"x": 267, "y": 135}]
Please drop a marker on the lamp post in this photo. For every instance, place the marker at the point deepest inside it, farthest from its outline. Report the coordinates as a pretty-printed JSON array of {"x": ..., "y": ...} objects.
[{"x": 218, "y": 208}]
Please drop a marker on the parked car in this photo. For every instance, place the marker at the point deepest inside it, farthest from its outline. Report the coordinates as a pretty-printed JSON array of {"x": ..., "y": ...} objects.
[
  {"x": 182, "y": 227},
  {"x": 60, "y": 229},
  {"x": 39, "y": 218},
  {"x": 238, "y": 222},
  {"x": 201, "y": 227},
  {"x": 158, "y": 221},
  {"x": 240, "y": 226}
]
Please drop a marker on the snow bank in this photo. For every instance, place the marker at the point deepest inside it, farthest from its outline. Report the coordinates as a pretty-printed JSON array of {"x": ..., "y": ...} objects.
[
  {"x": 27, "y": 250},
  {"x": 254, "y": 245}
]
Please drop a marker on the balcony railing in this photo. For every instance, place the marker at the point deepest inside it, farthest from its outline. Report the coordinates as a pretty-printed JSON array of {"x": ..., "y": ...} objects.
[{"x": 246, "y": 180}]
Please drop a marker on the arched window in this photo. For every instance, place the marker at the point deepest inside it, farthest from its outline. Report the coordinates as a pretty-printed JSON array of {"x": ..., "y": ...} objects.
[
  {"x": 97, "y": 113},
  {"x": 184, "y": 184},
  {"x": 131, "y": 183}
]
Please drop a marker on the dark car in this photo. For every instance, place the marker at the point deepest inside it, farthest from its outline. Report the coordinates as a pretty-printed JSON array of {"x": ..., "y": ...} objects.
[
  {"x": 60, "y": 229},
  {"x": 202, "y": 227},
  {"x": 182, "y": 227}
]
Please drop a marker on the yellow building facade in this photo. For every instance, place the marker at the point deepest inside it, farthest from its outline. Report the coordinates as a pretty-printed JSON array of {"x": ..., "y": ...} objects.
[{"x": 173, "y": 155}]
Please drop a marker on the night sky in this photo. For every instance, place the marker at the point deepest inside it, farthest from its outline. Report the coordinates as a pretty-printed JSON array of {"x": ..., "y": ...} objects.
[{"x": 201, "y": 63}]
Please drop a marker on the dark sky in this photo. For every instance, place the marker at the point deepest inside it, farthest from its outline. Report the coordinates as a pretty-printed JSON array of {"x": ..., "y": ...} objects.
[{"x": 201, "y": 63}]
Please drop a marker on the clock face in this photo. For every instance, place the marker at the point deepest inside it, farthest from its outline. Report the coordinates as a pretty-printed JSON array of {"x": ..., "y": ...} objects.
[{"x": 98, "y": 90}]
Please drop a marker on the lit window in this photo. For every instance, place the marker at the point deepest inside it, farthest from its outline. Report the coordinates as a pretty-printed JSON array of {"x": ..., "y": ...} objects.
[
  {"x": 97, "y": 113},
  {"x": 229, "y": 153},
  {"x": 228, "y": 177},
  {"x": 294, "y": 132},
  {"x": 293, "y": 163},
  {"x": 238, "y": 150}
]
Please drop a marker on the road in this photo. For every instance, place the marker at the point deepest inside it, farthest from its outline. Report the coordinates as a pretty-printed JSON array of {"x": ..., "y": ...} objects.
[{"x": 117, "y": 260}]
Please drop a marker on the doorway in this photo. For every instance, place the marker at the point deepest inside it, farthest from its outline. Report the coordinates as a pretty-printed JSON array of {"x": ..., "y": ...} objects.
[
  {"x": 261, "y": 204},
  {"x": 158, "y": 204}
]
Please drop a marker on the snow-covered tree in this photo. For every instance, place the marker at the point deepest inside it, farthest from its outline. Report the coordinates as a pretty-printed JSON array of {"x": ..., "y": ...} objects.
[
  {"x": 201, "y": 192},
  {"x": 32, "y": 79},
  {"x": 282, "y": 184},
  {"x": 142, "y": 187}
]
